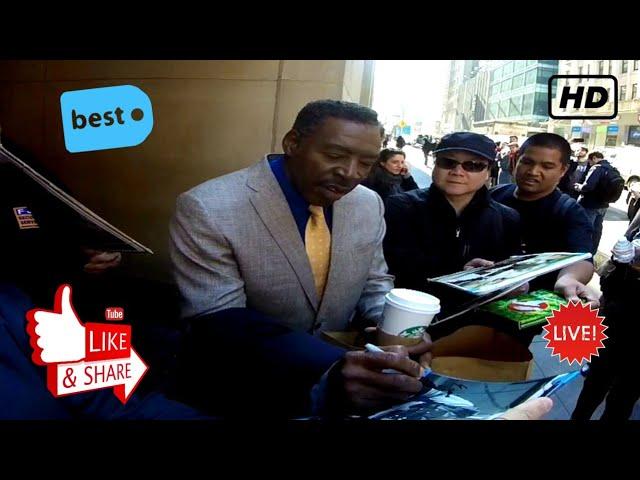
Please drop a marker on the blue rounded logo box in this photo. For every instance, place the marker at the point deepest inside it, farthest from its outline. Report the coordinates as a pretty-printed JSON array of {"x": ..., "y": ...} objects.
[{"x": 105, "y": 118}]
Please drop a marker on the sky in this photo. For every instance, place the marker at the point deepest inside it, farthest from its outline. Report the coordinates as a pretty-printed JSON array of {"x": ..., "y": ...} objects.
[{"x": 413, "y": 89}]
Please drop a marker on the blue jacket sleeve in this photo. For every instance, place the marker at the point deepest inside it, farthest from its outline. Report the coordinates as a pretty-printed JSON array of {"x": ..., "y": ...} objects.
[
  {"x": 594, "y": 180},
  {"x": 239, "y": 362}
]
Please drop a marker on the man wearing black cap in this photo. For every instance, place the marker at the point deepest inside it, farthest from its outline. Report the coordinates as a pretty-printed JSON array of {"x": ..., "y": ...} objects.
[{"x": 452, "y": 224}]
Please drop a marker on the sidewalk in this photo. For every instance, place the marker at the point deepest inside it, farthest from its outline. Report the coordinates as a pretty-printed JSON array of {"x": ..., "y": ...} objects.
[
  {"x": 614, "y": 226},
  {"x": 421, "y": 174}
]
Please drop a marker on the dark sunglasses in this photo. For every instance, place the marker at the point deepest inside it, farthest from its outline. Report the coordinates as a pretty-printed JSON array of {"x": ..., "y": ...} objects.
[{"x": 469, "y": 165}]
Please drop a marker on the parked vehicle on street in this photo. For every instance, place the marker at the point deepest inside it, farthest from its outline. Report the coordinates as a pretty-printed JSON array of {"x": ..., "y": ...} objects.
[{"x": 627, "y": 160}]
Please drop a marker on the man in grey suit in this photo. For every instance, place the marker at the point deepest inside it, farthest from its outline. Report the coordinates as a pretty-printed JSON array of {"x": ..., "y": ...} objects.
[
  {"x": 269, "y": 256},
  {"x": 296, "y": 239}
]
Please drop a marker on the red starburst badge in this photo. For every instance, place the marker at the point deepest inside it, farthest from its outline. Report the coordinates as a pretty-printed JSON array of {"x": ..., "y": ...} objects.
[{"x": 575, "y": 332}]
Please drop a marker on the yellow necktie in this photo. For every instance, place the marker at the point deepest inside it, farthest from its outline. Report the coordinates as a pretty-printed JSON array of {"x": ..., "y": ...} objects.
[{"x": 317, "y": 239}]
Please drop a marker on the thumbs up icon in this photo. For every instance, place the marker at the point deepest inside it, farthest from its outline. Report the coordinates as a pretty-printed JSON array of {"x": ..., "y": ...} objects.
[{"x": 56, "y": 336}]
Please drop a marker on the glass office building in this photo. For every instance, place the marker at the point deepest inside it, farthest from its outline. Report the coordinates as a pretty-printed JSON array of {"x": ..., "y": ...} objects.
[{"x": 518, "y": 90}]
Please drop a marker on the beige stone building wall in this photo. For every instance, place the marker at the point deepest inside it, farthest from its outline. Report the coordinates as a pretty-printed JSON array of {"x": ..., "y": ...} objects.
[{"x": 210, "y": 118}]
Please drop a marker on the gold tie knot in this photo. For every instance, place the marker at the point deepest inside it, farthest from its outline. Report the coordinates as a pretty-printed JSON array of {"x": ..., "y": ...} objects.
[{"x": 316, "y": 211}]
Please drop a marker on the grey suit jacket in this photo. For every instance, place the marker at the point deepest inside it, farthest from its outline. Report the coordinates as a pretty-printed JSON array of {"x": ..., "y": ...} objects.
[{"x": 235, "y": 243}]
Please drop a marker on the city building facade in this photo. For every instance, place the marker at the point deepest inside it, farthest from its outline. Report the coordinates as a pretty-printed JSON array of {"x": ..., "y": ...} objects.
[
  {"x": 498, "y": 97},
  {"x": 466, "y": 96},
  {"x": 517, "y": 97},
  {"x": 620, "y": 131}
]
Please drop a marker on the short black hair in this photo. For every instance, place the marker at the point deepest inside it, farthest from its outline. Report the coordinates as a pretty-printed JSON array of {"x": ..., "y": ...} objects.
[
  {"x": 549, "y": 140},
  {"x": 314, "y": 113},
  {"x": 596, "y": 155},
  {"x": 387, "y": 153}
]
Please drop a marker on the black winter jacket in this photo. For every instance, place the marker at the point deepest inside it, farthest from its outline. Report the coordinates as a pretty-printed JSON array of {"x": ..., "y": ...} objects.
[
  {"x": 426, "y": 239},
  {"x": 386, "y": 184}
]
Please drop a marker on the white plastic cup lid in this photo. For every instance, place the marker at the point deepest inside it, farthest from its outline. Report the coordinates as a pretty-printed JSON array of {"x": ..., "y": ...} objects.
[{"x": 413, "y": 300}]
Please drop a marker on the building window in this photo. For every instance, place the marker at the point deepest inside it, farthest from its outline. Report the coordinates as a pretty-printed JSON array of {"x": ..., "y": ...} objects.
[
  {"x": 518, "y": 81},
  {"x": 520, "y": 64},
  {"x": 625, "y": 66},
  {"x": 506, "y": 85},
  {"x": 514, "y": 106},
  {"x": 504, "y": 109},
  {"x": 623, "y": 92},
  {"x": 580, "y": 73},
  {"x": 508, "y": 69},
  {"x": 527, "y": 104},
  {"x": 634, "y": 91},
  {"x": 635, "y": 64},
  {"x": 530, "y": 77},
  {"x": 600, "y": 67},
  {"x": 543, "y": 75},
  {"x": 633, "y": 137},
  {"x": 493, "y": 110},
  {"x": 540, "y": 106},
  {"x": 588, "y": 68}
]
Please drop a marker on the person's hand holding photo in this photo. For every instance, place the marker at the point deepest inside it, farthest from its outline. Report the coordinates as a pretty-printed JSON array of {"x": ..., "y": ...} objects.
[
  {"x": 530, "y": 410},
  {"x": 477, "y": 263},
  {"x": 575, "y": 291}
]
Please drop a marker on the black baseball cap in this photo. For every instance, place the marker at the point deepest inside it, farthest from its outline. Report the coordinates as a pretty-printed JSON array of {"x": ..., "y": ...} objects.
[{"x": 470, "y": 142}]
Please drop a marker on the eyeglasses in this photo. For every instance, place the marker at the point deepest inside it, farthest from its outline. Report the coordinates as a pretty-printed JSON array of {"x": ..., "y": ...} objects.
[{"x": 469, "y": 165}]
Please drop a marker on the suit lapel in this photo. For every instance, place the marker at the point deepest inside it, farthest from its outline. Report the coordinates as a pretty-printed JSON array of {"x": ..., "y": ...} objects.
[{"x": 271, "y": 206}]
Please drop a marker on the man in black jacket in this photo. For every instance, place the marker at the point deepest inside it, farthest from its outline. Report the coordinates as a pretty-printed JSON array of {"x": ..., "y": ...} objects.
[
  {"x": 452, "y": 224},
  {"x": 551, "y": 221},
  {"x": 593, "y": 194},
  {"x": 576, "y": 173}
]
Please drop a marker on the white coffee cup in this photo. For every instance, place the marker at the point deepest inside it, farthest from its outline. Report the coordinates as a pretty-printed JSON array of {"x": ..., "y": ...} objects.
[{"x": 406, "y": 315}]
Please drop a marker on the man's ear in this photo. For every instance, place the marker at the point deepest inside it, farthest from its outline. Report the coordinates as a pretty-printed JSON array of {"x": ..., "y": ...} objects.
[
  {"x": 564, "y": 169},
  {"x": 291, "y": 143}
]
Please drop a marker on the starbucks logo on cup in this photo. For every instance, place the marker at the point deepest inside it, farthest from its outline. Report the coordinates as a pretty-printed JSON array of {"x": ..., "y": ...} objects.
[{"x": 413, "y": 332}]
